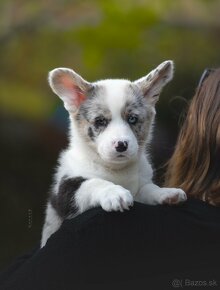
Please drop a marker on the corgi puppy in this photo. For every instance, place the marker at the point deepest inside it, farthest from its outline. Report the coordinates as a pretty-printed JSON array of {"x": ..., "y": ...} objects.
[{"x": 106, "y": 163}]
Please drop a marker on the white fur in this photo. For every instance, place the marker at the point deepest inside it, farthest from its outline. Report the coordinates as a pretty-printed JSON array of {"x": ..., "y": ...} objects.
[
  {"x": 118, "y": 130},
  {"x": 51, "y": 225},
  {"x": 112, "y": 182}
]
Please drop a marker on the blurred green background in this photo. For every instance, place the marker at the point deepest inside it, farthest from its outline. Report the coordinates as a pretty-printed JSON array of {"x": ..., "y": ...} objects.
[{"x": 98, "y": 39}]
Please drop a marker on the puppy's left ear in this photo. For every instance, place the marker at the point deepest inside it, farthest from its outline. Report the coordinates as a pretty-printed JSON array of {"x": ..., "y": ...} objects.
[{"x": 152, "y": 84}]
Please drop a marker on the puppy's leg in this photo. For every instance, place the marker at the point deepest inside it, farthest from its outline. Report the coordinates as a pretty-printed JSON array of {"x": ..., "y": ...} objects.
[
  {"x": 153, "y": 194},
  {"x": 51, "y": 225},
  {"x": 76, "y": 195},
  {"x": 60, "y": 206},
  {"x": 99, "y": 192}
]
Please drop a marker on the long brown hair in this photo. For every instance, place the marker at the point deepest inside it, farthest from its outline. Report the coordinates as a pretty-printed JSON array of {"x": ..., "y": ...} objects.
[{"x": 195, "y": 164}]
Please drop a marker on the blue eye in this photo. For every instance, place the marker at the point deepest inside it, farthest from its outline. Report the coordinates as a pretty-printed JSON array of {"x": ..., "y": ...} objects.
[{"x": 132, "y": 119}]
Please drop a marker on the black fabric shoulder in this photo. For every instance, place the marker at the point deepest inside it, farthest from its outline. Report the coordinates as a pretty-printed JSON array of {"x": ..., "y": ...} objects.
[{"x": 149, "y": 246}]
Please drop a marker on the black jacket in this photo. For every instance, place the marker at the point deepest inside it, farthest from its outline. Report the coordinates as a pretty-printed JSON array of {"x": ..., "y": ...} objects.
[{"x": 148, "y": 247}]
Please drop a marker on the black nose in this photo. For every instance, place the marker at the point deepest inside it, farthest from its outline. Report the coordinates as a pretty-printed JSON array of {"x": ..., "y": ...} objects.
[{"x": 122, "y": 146}]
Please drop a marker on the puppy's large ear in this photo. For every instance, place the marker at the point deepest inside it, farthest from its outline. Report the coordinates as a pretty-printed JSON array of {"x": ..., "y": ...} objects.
[
  {"x": 151, "y": 85},
  {"x": 69, "y": 86}
]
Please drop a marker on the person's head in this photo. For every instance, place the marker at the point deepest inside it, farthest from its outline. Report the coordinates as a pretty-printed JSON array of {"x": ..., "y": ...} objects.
[{"x": 195, "y": 164}]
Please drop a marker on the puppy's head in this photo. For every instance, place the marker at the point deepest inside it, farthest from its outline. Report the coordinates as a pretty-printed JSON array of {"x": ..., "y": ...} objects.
[{"x": 113, "y": 117}]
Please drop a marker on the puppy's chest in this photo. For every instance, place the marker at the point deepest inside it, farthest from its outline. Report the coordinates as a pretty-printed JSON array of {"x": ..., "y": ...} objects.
[
  {"x": 126, "y": 177},
  {"x": 74, "y": 164}
]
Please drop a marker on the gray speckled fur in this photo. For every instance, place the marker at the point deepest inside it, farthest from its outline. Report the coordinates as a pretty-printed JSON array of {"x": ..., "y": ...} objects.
[{"x": 95, "y": 106}]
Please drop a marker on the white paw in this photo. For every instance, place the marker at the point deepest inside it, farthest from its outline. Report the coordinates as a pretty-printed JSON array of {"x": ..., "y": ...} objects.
[
  {"x": 172, "y": 196},
  {"x": 115, "y": 198}
]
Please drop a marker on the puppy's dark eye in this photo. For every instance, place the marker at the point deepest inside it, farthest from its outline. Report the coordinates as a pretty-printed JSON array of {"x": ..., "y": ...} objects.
[
  {"x": 100, "y": 122},
  {"x": 132, "y": 119}
]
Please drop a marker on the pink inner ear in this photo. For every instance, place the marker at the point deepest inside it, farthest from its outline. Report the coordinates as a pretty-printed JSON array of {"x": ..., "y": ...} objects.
[{"x": 77, "y": 96}]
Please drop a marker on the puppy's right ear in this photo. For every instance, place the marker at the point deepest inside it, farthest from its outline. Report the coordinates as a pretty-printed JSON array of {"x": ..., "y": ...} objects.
[{"x": 69, "y": 86}]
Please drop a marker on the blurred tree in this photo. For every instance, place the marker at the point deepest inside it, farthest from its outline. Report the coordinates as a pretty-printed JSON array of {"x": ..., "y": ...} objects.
[{"x": 100, "y": 39}]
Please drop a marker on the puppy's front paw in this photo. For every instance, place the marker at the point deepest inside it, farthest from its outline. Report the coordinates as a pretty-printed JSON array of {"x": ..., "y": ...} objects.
[
  {"x": 172, "y": 196},
  {"x": 116, "y": 198}
]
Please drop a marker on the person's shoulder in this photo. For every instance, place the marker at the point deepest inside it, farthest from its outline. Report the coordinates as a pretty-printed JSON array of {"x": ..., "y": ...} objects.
[
  {"x": 99, "y": 216},
  {"x": 139, "y": 211},
  {"x": 202, "y": 210}
]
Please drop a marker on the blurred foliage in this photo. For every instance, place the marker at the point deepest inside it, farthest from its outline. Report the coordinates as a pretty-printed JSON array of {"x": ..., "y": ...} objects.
[{"x": 98, "y": 39}]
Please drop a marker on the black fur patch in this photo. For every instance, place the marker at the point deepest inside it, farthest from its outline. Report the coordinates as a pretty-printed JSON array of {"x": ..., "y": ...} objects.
[
  {"x": 91, "y": 133},
  {"x": 63, "y": 202}
]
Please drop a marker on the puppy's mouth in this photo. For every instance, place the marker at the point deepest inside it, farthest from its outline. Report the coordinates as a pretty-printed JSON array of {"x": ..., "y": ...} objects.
[
  {"x": 118, "y": 158},
  {"x": 121, "y": 156}
]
